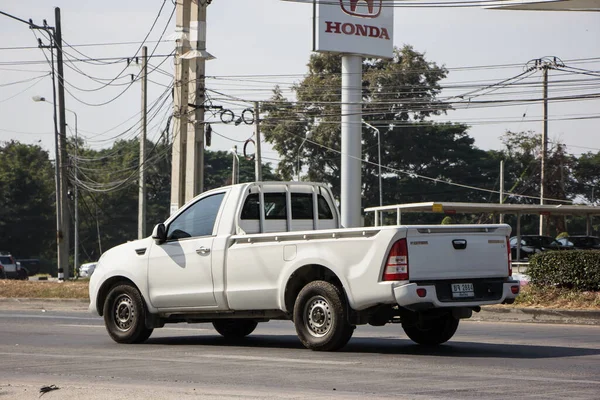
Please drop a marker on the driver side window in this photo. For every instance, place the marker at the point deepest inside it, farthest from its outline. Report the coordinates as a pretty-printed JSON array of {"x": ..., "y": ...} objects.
[{"x": 197, "y": 220}]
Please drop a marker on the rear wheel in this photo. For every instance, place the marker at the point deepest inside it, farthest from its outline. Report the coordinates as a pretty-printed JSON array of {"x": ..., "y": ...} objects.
[
  {"x": 432, "y": 331},
  {"x": 235, "y": 328},
  {"x": 125, "y": 314},
  {"x": 22, "y": 275},
  {"x": 320, "y": 317}
]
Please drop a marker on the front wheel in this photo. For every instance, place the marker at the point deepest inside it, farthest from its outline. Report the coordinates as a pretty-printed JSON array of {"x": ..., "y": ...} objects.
[
  {"x": 432, "y": 332},
  {"x": 235, "y": 328},
  {"x": 320, "y": 317},
  {"x": 125, "y": 314}
]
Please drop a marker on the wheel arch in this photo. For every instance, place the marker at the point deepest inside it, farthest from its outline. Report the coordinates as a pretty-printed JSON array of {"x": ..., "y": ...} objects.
[
  {"x": 108, "y": 285},
  {"x": 305, "y": 274}
]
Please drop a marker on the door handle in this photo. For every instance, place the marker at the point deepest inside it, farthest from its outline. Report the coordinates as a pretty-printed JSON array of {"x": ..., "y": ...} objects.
[{"x": 203, "y": 251}]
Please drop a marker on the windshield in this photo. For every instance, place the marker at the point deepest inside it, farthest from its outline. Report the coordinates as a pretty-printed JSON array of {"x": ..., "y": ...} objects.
[{"x": 5, "y": 260}]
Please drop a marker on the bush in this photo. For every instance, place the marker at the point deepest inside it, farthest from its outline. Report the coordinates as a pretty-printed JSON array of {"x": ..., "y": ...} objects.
[{"x": 576, "y": 269}]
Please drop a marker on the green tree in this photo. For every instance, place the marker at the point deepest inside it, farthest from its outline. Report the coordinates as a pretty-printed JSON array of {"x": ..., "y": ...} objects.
[
  {"x": 399, "y": 95},
  {"x": 27, "y": 201},
  {"x": 522, "y": 174},
  {"x": 587, "y": 177},
  {"x": 218, "y": 165},
  {"x": 109, "y": 190}
]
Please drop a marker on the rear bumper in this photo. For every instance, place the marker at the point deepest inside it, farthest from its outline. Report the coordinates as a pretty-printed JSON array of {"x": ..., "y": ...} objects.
[{"x": 406, "y": 296}]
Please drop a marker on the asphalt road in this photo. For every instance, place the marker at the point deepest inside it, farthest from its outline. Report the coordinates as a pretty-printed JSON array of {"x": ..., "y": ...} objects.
[{"x": 483, "y": 361}]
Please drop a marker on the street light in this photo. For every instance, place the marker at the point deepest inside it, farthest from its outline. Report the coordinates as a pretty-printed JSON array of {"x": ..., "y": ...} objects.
[
  {"x": 378, "y": 158},
  {"x": 76, "y": 195},
  {"x": 308, "y": 136},
  {"x": 235, "y": 169}
]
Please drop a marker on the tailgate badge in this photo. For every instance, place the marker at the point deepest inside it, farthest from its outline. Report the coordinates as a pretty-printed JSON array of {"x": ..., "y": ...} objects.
[{"x": 459, "y": 244}]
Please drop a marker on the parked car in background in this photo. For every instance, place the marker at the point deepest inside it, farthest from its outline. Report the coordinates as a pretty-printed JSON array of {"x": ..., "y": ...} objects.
[
  {"x": 30, "y": 265},
  {"x": 533, "y": 244},
  {"x": 86, "y": 270},
  {"x": 581, "y": 242},
  {"x": 11, "y": 269}
]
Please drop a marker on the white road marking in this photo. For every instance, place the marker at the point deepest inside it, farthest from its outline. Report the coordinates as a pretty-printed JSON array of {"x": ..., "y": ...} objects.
[
  {"x": 193, "y": 358},
  {"x": 277, "y": 359}
]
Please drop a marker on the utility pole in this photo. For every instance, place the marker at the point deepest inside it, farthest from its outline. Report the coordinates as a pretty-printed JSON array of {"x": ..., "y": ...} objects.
[
  {"x": 544, "y": 67},
  {"x": 180, "y": 124},
  {"x": 144, "y": 119},
  {"x": 194, "y": 171},
  {"x": 76, "y": 202},
  {"x": 187, "y": 174},
  {"x": 257, "y": 158},
  {"x": 52, "y": 34},
  {"x": 60, "y": 162},
  {"x": 63, "y": 234}
]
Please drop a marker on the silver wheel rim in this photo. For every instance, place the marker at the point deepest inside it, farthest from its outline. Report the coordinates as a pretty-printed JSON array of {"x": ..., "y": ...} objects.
[
  {"x": 317, "y": 316},
  {"x": 124, "y": 313}
]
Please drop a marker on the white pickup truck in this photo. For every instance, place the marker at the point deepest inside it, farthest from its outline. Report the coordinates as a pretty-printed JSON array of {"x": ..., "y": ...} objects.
[{"x": 249, "y": 253}]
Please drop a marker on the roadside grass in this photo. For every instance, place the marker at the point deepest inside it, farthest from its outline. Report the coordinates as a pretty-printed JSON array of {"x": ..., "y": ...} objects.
[
  {"x": 558, "y": 298},
  {"x": 531, "y": 296},
  {"x": 44, "y": 289}
]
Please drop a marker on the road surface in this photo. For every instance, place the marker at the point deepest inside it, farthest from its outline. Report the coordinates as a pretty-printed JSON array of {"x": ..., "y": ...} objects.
[{"x": 484, "y": 360}]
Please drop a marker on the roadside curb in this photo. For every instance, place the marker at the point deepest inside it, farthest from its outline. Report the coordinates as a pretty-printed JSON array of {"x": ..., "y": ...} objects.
[{"x": 538, "y": 315}]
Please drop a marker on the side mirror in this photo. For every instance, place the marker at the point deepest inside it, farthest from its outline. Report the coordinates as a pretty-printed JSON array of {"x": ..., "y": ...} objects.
[{"x": 159, "y": 233}]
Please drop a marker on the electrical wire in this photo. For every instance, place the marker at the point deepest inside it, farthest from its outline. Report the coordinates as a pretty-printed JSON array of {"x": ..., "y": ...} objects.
[
  {"x": 415, "y": 175},
  {"x": 39, "y": 79}
]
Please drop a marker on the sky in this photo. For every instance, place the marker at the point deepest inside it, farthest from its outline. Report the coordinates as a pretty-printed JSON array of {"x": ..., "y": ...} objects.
[{"x": 260, "y": 43}]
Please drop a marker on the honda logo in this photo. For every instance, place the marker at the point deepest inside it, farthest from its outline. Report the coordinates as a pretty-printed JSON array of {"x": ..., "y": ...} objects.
[{"x": 369, "y": 9}]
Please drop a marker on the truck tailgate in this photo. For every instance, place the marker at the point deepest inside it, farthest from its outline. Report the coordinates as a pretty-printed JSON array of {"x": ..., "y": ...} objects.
[{"x": 456, "y": 252}]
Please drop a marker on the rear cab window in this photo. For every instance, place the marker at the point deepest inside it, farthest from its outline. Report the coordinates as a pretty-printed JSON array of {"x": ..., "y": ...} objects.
[{"x": 276, "y": 212}]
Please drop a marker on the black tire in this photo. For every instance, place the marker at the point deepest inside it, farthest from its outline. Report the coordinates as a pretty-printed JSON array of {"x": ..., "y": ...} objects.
[
  {"x": 125, "y": 315},
  {"x": 235, "y": 328},
  {"x": 320, "y": 317},
  {"x": 432, "y": 332},
  {"x": 22, "y": 275}
]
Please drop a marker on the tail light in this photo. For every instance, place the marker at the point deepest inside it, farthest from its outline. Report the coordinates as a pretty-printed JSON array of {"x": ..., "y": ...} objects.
[
  {"x": 509, "y": 256},
  {"x": 396, "y": 267}
]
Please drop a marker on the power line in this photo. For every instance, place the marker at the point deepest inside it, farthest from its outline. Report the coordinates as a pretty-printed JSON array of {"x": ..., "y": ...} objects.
[
  {"x": 24, "y": 90},
  {"x": 24, "y": 80},
  {"x": 87, "y": 44},
  {"x": 415, "y": 175}
]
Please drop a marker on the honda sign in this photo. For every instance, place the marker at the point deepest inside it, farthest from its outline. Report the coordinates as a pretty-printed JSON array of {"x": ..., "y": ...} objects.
[{"x": 362, "y": 27}]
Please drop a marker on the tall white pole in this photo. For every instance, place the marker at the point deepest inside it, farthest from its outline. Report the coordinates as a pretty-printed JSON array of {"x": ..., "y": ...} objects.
[
  {"x": 258, "y": 157},
  {"x": 379, "y": 166},
  {"x": 235, "y": 179},
  {"x": 501, "y": 188},
  {"x": 351, "y": 140},
  {"x": 544, "y": 150}
]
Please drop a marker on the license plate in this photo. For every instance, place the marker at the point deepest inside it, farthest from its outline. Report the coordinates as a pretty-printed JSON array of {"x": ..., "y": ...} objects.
[{"x": 461, "y": 290}]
